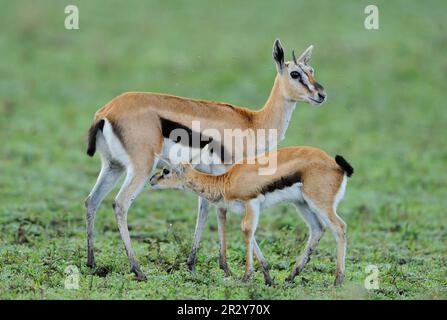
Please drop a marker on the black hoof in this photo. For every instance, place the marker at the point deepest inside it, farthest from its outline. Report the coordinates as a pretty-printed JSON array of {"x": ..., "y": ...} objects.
[
  {"x": 338, "y": 282},
  {"x": 246, "y": 277},
  {"x": 191, "y": 264},
  {"x": 289, "y": 280},
  {"x": 91, "y": 264},
  {"x": 228, "y": 273},
  {"x": 139, "y": 274},
  {"x": 268, "y": 282},
  {"x": 226, "y": 270}
]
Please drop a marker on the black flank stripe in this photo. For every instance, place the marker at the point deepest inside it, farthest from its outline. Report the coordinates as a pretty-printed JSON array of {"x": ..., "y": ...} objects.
[
  {"x": 281, "y": 183},
  {"x": 167, "y": 126}
]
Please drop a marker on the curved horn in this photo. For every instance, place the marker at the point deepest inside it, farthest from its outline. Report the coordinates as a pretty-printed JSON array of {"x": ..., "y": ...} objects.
[{"x": 294, "y": 58}]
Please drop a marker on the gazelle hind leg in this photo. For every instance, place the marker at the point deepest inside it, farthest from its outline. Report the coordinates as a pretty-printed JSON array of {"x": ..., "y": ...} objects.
[
  {"x": 248, "y": 225},
  {"x": 338, "y": 227},
  {"x": 263, "y": 262},
  {"x": 316, "y": 231},
  {"x": 109, "y": 175},
  {"x": 328, "y": 215},
  {"x": 135, "y": 180},
  {"x": 222, "y": 228}
]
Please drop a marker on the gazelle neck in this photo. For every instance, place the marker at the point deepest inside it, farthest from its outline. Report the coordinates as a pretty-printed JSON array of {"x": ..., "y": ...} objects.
[
  {"x": 277, "y": 111},
  {"x": 206, "y": 185}
]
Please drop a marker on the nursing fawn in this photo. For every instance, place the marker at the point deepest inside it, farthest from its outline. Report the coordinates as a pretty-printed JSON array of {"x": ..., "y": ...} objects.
[{"x": 307, "y": 177}]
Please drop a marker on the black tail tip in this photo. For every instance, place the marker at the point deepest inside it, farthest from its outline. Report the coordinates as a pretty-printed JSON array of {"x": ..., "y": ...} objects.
[
  {"x": 344, "y": 165},
  {"x": 91, "y": 148}
]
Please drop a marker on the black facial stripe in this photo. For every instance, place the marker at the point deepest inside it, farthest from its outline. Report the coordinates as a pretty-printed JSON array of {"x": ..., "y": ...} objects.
[
  {"x": 305, "y": 85},
  {"x": 318, "y": 86},
  {"x": 167, "y": 126}
]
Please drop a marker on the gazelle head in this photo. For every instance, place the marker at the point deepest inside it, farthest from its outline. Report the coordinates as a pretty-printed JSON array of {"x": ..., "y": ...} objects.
[
  {"x": 168, "y": 178},
  {"x": 172, "y": 175},
  {"x": 296, "y": 77}
]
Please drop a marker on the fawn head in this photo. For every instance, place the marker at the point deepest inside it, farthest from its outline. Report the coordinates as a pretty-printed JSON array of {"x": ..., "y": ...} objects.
[{"x": 167, "y": 178}]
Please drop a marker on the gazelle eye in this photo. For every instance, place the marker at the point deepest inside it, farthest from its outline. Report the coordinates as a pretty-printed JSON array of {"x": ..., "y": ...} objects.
[
  {"x": 165, "y": 171},
  {"x": 295, "y": 74}
]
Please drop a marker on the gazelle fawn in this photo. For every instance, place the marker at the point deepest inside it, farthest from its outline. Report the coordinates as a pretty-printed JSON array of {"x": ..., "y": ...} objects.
[
  {"x": 133, "y": 128},
  {"x": 307, "y": 177}
]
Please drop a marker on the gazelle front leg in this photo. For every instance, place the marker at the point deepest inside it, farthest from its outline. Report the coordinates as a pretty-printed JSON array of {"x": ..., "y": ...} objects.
[
  {"x": 249, "y": 224},
  {"x": 201, "y": 219},
  {"x": 221, "y": 226}
]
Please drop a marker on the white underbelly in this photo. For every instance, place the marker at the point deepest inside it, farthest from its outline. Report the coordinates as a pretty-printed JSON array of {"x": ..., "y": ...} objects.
[{"x": 290, "y": 194}]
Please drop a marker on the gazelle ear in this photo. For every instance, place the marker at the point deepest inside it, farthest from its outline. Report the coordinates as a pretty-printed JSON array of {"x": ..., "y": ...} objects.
[
  {"x": 278, "y": 55},
  {"x": 306, "y": 55},
  {"x": 165, "y": 162},
  {"x": 179, "y": 168}
]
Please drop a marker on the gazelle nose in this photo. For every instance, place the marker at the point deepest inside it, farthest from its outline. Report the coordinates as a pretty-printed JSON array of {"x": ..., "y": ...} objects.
[{"x": 321, "y": 96}]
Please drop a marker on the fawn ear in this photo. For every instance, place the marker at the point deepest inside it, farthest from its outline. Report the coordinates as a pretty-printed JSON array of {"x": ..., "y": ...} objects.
[
  {"x": 306, "y": 55},
  {"x": 278, "y": 55},
  {"x": 179, "y": 168},
  {"x": 165, "y": 162}
]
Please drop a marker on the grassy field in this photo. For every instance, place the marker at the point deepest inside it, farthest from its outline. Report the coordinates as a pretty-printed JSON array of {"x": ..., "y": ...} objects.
[{"x": 385, "y": 113}]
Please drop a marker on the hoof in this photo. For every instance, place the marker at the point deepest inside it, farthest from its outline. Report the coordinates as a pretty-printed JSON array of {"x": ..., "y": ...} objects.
[
  {"x": 91, "y": 264},
  {"x": 139, "y": 274},
  {"x": 141, "y": 277},
  {"x": 268, "y": 282},
  {"x": 246, "y": 277},
  {"x": 225, "y": 269},
  {"x": 289, "y": 280},
  {"x": 338, "y": 282},
  {"x": 191, "y": 263},
  {"x": 228, "y": 273},
  {"x": 191, "y": 266}
]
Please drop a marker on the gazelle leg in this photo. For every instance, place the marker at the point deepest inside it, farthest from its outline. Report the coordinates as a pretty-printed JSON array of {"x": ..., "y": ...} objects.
[
  {"x": 132, "y": 186},
  {"x": 221, "y": 226},
  {"x": 249, "y": 224},
  {"x": 201, "y": 219},
  {"x": 338, "y": 228},
  {"x": 329, "y": 217},
  {"x": 264, "y": 264},
  {"x": 109, "y": 175},
  {"x": 316, "y": 231}
]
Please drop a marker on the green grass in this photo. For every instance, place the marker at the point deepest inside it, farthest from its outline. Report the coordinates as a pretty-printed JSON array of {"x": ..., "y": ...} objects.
[{"x": 385, "y": 114}]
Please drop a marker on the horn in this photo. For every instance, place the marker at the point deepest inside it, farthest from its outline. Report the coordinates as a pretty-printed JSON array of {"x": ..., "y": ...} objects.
[{"x": 294, "y": 58}]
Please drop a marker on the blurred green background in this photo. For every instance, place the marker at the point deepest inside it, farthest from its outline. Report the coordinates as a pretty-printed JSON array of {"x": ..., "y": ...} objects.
[{"x": 385, "y": 114}]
